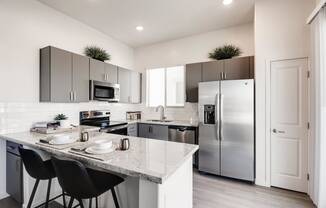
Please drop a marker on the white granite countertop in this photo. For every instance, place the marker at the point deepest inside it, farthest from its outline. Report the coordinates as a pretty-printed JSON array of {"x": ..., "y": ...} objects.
[
  {"x": 170, "y": 123},
  {"x": 149, "y": 159}
]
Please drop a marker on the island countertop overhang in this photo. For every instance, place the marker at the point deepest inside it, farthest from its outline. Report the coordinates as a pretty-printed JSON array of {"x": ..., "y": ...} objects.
[{"x": 148, "y": 159}]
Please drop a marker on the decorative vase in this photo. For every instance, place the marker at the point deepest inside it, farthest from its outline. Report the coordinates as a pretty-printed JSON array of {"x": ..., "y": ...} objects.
[{"x": 64, "y": 124}]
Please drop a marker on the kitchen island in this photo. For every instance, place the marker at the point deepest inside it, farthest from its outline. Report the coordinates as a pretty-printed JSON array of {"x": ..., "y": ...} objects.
[{"x": 158, "y": 174}]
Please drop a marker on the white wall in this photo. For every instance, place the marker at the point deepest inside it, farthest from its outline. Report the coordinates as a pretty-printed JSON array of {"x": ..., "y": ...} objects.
[
  {"x": 27, "y": 26},
  {"x": 191, "y": 50},
  {"x": 280, "y": 33},
  {"x": 194, "y": 48}
]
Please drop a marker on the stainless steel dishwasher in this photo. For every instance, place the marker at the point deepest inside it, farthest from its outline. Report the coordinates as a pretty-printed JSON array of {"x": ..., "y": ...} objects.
[{"x": 184, "y": 134}]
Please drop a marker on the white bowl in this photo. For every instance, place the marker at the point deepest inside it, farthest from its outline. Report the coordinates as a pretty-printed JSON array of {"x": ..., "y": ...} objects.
[
  {"x": 61, "y": 139},
  {"x": 102, "y": 146}
]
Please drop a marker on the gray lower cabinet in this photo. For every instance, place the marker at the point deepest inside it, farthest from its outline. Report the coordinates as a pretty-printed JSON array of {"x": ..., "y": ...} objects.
[
  {"x": 63, "y": 76},
  {"x": 153, "y": 131},
  {"x": 101, "y": 71},
  {"x": 133, "y": 129}
]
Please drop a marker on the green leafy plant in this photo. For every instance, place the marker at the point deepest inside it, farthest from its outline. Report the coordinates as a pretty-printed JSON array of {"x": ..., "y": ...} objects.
[
  {"x": 97, "y": 53},
  {"x": 60, "y": 117},
  {"x": 225, "y": 52}
]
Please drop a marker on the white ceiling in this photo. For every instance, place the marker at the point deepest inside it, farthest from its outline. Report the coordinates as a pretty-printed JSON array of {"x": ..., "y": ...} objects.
[{"x": 162, "y": 19}]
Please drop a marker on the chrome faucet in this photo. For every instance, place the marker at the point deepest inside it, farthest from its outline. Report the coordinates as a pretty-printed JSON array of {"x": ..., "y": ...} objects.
[{"x": 161, "y": 109}]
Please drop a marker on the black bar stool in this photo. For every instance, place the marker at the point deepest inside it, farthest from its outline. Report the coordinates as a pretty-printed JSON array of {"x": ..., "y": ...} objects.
[
  {"x": 83, "y": 183},
  {"x": 39, "y": 170}
]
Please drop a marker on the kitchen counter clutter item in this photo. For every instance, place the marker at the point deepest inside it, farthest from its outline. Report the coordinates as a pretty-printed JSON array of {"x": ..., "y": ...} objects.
[
  {"x": 133, "y": 115},
  {"x": 102, "y": 119}
]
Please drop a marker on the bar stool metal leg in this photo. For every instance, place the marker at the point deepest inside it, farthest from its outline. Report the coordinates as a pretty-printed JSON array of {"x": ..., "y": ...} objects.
[
  {"x": 48, "y": 194},
  {"x": 33, "y": 193},
  {"x": 71, "y": 201},
  {"x": 115, "y": 198},
  {"x": 90, "y": 203},
  {"x": 64, "y": 199},
  {"x": 81, "y": 203}
]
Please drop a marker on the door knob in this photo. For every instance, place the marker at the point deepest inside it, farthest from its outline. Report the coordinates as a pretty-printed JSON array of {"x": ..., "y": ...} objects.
[{"x": 276, "y": 131}]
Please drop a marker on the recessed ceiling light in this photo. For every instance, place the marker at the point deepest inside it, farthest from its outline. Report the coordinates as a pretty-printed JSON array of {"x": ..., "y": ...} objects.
[
  {"x": 140, "y": 28},
  {"x": 227, "y": 2}
]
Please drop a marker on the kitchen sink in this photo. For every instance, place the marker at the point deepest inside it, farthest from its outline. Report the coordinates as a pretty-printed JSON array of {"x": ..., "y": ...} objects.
[{"x": 154, "y": 120}]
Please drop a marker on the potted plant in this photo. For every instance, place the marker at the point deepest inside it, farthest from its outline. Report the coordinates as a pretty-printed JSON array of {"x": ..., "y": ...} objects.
[
  {"x": 63, "y": 119},
  {"x": 225, "y": 52},
  {"x": 97, "y": 53}
]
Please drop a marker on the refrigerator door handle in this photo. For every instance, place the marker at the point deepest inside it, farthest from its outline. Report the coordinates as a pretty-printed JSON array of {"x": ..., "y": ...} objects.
[
  {"x": 221, "y": 116},
  {"x": 217, "y": 116}
]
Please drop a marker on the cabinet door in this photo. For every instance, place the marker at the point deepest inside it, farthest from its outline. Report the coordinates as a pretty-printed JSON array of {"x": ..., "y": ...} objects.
[
  {"x": 61, "y": 75},
  {"x": 124, "y": 81},
  {"x": 212, "y": 71},
  {"x": 80, "y": 78},
  {"x": 133, "y": 129},
  {"x": 111, "y": 73},
  {"x": 135, "y": 87},
  {"x": 193, "y": 77},
  {"x": 97, "y": 70},
  {"x": 14, "y": 181},
  {"x": 160, "y": 132},
  {"x": 252, "y": 67},
  {"x": 237, "y": 68},
  {"x": 144, "y": 130}
]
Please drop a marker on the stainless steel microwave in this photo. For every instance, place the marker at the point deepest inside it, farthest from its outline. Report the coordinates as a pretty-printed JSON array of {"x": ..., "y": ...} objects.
[{"x": 104, "y": 91}]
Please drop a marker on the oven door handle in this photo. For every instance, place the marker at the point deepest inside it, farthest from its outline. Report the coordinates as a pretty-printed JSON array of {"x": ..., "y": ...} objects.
[{"x": 111, "y": 129}]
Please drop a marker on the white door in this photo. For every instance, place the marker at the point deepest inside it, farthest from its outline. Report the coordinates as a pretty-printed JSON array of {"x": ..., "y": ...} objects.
[{"x": 289, "y": 124}]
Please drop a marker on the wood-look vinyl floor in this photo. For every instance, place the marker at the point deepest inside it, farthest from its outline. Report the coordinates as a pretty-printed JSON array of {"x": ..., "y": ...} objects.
[{"x": 214, "y": 192}]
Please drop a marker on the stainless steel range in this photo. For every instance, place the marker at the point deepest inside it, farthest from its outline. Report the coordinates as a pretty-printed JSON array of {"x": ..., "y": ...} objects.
[{"x": 102, "y": 119}]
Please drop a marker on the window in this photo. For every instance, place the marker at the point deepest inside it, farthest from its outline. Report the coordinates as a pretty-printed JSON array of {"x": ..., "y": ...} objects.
[{"x": 166, "y": 86}]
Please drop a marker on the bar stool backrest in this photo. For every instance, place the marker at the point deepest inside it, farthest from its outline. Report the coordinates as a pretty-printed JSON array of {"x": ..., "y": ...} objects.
[
  {"x": 73, "y": 178},
  {"x": 34, "y": 164}
]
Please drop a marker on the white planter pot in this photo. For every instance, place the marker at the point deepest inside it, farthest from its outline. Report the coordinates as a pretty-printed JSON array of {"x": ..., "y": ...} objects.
[{"x": 64, "y": 124}]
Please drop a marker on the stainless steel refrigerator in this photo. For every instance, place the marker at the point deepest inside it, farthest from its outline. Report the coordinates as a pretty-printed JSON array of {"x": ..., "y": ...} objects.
[{"x": 226, "y": 128}]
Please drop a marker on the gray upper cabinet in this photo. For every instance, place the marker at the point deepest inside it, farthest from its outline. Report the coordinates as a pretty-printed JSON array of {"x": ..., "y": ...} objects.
[
  {"x": 111, "y": 73},
  {"x": 80, "y": 77},
  {"x": 237, "y": 68},
  {"x": 124, "y": 81},
  {"x": 230, "y": 69},
  {"x": 60, "y": 76},
  {"x": 193, "y": 77},
  {"x": 153, "y": 131},
  {"x": 97, "y": 70},
  {"x": 135, "y": 87},
  {"x": 212, "y": 71},
  {"x": 101, "y": 71},
  {"x": 130, "y": 86},
  {"x": 64, "y": 76}
]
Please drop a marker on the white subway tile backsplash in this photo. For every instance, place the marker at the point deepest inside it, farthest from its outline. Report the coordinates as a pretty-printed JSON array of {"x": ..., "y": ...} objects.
[{"x": 15, "y": 117}]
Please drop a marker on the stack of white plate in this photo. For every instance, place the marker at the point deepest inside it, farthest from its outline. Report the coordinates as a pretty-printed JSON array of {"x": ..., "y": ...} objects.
[
  {"x": 61, "y": 139},
  {"x": 101, "y": 148}
]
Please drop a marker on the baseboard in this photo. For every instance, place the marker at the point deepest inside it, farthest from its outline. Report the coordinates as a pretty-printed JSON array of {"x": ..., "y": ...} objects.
[{"x": 3, "y": 195}]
